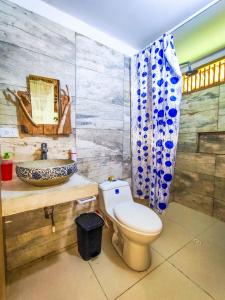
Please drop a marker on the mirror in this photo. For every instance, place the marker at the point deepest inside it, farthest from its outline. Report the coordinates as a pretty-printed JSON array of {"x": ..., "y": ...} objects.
[{"x": 44, "y": 96}]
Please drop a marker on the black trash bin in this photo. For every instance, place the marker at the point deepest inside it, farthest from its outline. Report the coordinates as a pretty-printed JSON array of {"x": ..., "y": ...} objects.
[{"x": 89, "y": 235}]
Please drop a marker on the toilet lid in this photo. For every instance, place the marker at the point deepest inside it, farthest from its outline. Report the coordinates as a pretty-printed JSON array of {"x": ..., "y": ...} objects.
[{"x": 138, "y": 217}]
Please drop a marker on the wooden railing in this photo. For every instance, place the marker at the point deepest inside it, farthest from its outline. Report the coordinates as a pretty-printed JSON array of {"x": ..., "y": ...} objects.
[{"x": 207, "y": 76}]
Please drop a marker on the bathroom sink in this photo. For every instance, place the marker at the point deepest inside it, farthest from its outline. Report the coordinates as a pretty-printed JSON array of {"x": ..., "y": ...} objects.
[{"x": 46, "y": 172}]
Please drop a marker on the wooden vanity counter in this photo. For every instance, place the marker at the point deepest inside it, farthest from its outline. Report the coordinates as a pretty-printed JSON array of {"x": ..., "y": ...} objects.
[{"x": 28, "y": 234}]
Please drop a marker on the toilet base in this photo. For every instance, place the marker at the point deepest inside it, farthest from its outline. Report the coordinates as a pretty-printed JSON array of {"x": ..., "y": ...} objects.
[{"x": 136, "y": 256}]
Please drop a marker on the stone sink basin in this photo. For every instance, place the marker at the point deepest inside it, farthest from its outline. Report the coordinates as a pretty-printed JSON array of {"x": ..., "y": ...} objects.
[{"x": 46, "y": 172}]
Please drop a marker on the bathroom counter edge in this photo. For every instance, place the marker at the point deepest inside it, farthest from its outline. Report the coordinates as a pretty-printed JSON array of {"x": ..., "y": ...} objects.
[{"x": 18, "y": 196}]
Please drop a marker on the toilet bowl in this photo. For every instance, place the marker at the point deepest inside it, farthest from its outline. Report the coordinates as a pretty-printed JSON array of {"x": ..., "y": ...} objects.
[{"x": 135, "y": 226}]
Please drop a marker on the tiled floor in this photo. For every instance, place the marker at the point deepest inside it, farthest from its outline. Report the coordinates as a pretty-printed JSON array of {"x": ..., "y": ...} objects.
[{"x": 188, "y": 262}]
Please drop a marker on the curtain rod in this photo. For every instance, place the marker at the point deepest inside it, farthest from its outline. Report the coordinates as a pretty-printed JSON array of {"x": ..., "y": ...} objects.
[
  {"x": 200, "y": 11},
  {"x": 194, "y": 15}
]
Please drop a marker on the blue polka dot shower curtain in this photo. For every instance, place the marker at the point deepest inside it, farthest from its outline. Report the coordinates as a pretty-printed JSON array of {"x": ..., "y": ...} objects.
[{"x": 156, "y": 96}]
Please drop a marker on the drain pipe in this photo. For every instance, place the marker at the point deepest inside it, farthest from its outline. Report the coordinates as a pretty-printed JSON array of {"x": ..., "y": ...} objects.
[{"x": 49, "y": 214}]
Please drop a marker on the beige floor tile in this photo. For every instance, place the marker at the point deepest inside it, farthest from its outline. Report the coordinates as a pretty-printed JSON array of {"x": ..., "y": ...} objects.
[
  {"x": 204, "y": 263},
  {"x": 215, "y": 234},
  {"x": 65, "y": 276},
  {"x": 172, "y": 238},
  {"x": 113, "y": 274},
  {"x": 165, "y": 283},
  {"x": 193, "y": 221}
]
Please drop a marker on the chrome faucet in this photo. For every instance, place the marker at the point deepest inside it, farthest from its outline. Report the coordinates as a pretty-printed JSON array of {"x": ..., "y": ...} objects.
[{"x": 44, "y": 151}]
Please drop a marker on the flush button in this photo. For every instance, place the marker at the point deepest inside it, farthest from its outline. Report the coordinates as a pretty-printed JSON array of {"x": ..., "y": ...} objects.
[{"x": 117, "y": 191}]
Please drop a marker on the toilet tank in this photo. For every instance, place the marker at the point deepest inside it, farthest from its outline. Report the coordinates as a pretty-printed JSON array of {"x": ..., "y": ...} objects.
[{"x": 112, "y": 193}]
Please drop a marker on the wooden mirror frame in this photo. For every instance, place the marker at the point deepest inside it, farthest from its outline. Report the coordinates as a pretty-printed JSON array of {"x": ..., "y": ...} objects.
[{"x": 24, "y": 109}]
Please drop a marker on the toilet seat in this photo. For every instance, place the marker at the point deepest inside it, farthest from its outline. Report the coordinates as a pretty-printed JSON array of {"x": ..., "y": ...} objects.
[{"x": 138, "y": 217}]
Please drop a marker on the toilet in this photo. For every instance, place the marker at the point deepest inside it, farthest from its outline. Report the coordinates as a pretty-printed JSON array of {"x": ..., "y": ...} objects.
[{"x": 135, "y": 226}]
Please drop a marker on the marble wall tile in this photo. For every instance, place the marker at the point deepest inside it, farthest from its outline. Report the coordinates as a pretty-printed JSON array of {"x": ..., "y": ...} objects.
[
  {"x": 196, "y": 201},
  {"x": 199, "y": 111},
  {"x": 99, "y": 114},
  {"x": 200, "y": 101},
  {"x": 8, "y": 111},
  {"x": 30, "y": 31},
  {"x": 187, "y": 142},
  {"x": 100, "y": 168},
  {"x": 212, "y": 143},
  {"x": 127, "y": 118},
  {"x": 127, "y": 68},
  {"x": 127, "y": 95},
  {"x": 127, "y": 160},
  {"x": 73, "y": 113},
  {"x": 31, "y": 44},
  {"x": 103, "y": 102},
  {"x": 171, "y": 198},
  {"x": 126, "y": 173},
  {"x": 220, "y": 166},
  {"x": 97, "y": 57},
  {"x": 219, "y": 209},
  {"x": 193, "y": 182},
  {"x": 126, "y": 143},
  {"x": 199, "y": 180},
  {"x": 6, "y": 119},
  {"x": 127, "y": 81},
  {"x": 199, "y": 121},
  {"x": 97, "y": 143},
  {"x": 196, "y": 162},
  {"x": 100, "y": 108},
  {"x": 221, "y": 122},
  {"x": 99, "y": 81},
  {"x": 221, "y": 114},
  {"x": 220, "y": 189},
  {"x": 29, "y": 148},
  {"x": 17, "y": 63},
  {"x": 93, "y": 85}
]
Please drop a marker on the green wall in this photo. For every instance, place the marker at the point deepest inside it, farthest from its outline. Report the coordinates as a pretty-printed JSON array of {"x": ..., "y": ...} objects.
[{"x": 201, "y": 36}]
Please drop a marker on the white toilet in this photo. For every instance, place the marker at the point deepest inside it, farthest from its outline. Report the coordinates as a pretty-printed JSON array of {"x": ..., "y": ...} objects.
[{"x": 135, "y": 225}]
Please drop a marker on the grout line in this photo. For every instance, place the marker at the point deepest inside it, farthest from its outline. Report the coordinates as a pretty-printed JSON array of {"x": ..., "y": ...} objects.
[
  {"x": 74, "y": 103},
  {"x": 218, "y": 111},
  {"x": 40, "y": 53},
  {"x": 106, "y": 74},
  {"x": 189, "y": 278},
  {"x": 207, "y": 228},
  {"x": 167, "y": 259},
  {"x": 123, "y": 120},
  {"x": 98, "y": 281},
  {"x": 203, "y": 230},
  {"x": 148, "y": 272},
  {"x": 190, "y": 241}
]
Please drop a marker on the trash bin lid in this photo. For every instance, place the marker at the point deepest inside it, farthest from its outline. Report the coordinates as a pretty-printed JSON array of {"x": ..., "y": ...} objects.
[{"x": 89, "y": 221}]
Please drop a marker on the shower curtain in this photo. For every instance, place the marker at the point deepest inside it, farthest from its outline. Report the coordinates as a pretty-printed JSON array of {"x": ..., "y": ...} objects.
[{"x": 156, "y": 95}]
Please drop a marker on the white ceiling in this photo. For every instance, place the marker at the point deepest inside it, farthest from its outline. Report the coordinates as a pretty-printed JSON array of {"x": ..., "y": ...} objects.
[{"x": 135, "y": 22}]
